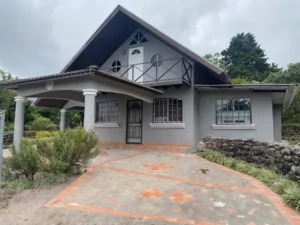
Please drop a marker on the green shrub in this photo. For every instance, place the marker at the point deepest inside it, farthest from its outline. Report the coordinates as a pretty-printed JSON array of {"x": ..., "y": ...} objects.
[
  {"x": 26, "y": 160},
  {"x": 45, "y": 134},
  {"x": 8, "y": 127},
  {"x": 289, "y": 190},
  {"x": 68, "y": 150},
  {"x": 42, "y": 124}
]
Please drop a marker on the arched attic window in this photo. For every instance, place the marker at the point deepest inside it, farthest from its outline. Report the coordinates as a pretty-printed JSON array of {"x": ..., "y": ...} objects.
[{"x": 138, "y": 38}]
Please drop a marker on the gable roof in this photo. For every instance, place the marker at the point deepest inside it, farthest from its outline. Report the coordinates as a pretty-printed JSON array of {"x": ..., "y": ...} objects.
[{"x": 119, "y": 25}]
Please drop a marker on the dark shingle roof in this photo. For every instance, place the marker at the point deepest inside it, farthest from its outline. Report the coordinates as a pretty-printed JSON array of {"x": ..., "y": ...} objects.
[{"x": 76, "y": 73}]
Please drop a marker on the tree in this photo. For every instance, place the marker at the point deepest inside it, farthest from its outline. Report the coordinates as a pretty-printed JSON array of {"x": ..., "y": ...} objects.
[
  {"x": 245, "y": 58},
  {"x": 7, "y": 101},
  {"x": 217, "y": 60},
  {"x": 290, "y": 75}
]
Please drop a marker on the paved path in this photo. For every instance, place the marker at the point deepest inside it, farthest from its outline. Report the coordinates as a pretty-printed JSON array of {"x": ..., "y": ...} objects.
[{"x": 162, "y": 188}]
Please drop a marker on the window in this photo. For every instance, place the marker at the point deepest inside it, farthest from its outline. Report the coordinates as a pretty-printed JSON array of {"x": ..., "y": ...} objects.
[
  {"x": 116, "y": 66},
  {"x": 138, "y": 38},
  {"x": 233, "y": 111},
  {"x": 135, "y": 51},
  {"x": 167, "y": 110},
  {"x": 107, "y": 112},
  {"x": 156, "y": 60}
]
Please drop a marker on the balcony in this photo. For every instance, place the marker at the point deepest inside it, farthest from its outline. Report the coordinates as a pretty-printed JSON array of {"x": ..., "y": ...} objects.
[{"x": 159, "y": 73}]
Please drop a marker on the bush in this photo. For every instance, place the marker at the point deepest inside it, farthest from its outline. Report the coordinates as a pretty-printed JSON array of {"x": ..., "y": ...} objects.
[
  {"x": 42, "y": 124},
  {"x": 45, "y": 134},
  {"x": 289, "y": 190},
  {"x": 68, "y": 150},
  {"x": 26, "y": 161}
]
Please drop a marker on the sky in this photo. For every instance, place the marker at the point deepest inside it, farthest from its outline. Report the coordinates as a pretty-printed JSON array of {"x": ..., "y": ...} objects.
[{"x": 39, "y": 37}]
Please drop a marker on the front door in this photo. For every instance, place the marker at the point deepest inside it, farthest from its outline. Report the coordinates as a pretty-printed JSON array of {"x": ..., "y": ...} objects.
[
  {"x": 134, "y": 122},
  {"x": 135, "y": 60}
]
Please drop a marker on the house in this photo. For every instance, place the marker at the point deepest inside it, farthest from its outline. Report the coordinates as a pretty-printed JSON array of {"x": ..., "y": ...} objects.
[{"x": 138, "y": 88}]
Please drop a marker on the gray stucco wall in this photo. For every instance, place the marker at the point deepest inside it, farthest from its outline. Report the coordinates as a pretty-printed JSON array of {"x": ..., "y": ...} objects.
[
  {"x": 262, "y": 115},
  {"x": 277, "y": 123},
  {"x": 152, "y": 47},
  {"x": 185, "y": 136}
]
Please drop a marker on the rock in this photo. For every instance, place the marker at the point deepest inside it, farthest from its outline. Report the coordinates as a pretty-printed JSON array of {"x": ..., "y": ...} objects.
[
  {"x": 209, "y": 146},
  {"x": 292, "y": 176},
  {"x": 286, "y": 151},
  {"x": 249, "y": 158},
  {"x": 287, "y": 166},
  {"x": 201, "y": 145},
  {"x": 282, "y": 158},
  {"x": 270, "y": 151},
  {"x": 272, "y": 159},
  {"x": 277, "y": 154},
  {"x": 256, "y": 159},
  {"x": 274, "y": 168},
  {"x": 295, "y": 170},
  {"x": 288, "y": 158}
]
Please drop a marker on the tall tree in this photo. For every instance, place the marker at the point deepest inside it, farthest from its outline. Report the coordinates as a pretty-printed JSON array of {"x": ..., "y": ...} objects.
[
  {"x": 245, "y": 58},
  {"x": 217, "y": 60},
  {"x": 287, "y": 76}
]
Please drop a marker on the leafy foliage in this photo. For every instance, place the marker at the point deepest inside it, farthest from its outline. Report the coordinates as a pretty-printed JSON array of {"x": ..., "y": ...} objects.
[
  {"x": 42, "y": 124},
  {"x": 217, "y": 60},
  {"x": 68, "y": 150},
  {"x": 290, "y": 75},
  {"x": 287, "y": 189},
  {"x": 239, "y": 80},
  {"x": 245, "y": 58},
  {"x": 26, "y": 160},
  {"x": 45, "y": 134}
]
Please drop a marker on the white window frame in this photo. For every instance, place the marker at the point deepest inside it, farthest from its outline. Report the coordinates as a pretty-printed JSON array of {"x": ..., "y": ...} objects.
[
  {"x": 111, "y": 107},
  {"x": 234, "y": 113}
]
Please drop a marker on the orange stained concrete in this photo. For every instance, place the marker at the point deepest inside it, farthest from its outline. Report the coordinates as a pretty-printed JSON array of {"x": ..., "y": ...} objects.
[{"x": 180, "y": 197}]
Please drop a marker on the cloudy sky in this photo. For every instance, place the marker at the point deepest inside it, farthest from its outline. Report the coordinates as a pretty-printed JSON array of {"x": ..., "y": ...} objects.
[{"x": 39, "y": 37}]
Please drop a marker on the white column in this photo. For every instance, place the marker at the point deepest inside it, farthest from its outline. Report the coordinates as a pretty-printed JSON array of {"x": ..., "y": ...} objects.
[
  {"x": 89, "y": 108},
  {"x": 62, "y": 119},
  {"x": 19, "y": 120}
]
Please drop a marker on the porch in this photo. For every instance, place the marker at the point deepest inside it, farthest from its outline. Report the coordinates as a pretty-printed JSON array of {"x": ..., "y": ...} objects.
[{"x": 76, "y": 89}]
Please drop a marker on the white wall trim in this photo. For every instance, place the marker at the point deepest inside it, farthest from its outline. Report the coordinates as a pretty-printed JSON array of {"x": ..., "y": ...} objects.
[
  {"x": 234, "y": 127},
  {"x": 167, "y": 125},
  {"x": 111, "y": 125}
]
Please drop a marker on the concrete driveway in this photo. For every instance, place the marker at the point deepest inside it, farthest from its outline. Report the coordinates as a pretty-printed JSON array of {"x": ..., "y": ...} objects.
[{"x": 165, "y": 188}]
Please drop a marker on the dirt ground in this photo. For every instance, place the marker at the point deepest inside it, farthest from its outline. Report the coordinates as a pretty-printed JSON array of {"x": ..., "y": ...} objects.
[{"x": 27, "y": 208}]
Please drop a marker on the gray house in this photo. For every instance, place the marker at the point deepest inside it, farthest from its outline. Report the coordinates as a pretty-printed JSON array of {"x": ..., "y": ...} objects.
[{"x": 138, "y": 88}]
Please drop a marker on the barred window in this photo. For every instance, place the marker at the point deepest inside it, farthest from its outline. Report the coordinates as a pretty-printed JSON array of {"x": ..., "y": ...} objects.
[
  {"x": 167, "y": 110},
  {"x": 107, "y": 112},
  {"x": 233, "y": 111}
]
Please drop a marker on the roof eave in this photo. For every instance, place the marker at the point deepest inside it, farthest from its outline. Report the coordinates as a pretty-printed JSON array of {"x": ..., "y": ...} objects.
[{"x": 289, "y": 96}]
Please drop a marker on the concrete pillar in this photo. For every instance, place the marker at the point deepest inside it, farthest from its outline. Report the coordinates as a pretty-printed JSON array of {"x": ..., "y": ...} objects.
[
  {"x": 62, "y": 119},
  {"x": 89, "y": 108},
  {"x": 19, "y": 120}
]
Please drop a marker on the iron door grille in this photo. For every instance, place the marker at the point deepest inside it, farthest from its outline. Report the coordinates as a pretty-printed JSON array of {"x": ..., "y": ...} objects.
[{"x": 134, "y": 121}]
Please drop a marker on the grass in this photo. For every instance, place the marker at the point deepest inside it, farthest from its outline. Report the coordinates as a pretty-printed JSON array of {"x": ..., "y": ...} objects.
[
  {"x": 287, "y": 189},
  {"x": 43, "y": 180}
]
